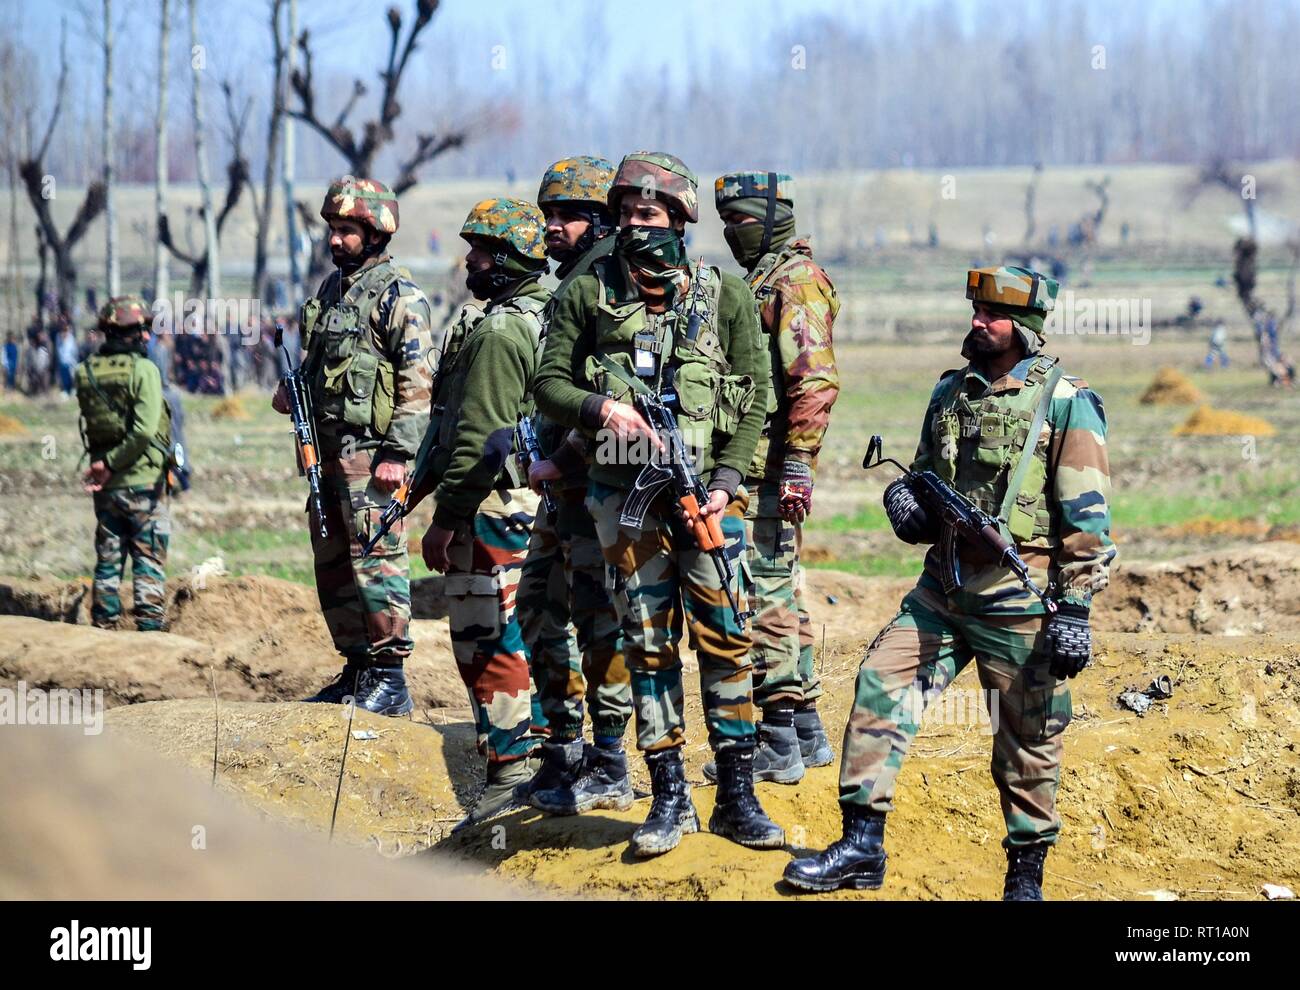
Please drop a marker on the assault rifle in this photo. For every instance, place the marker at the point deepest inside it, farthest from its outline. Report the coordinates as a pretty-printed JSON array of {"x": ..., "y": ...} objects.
[
  {"x": 961, "y": 517},
  {"x": 688, "y": 490},
  {"x": 530, "y": 452},
  {"x": 304, "y": 427}
]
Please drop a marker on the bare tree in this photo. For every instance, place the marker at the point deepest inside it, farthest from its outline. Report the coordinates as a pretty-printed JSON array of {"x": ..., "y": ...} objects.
[
  {"x": 274, "y": 127},
  {"x": 359, "y": 152},
  {"x": 288, "y": 165},
  {"x": 1031, "y": 197},
  {"x": 41, "y": 189},
  {"x": 15, "y": 67},
  {"x": 112, "y": 263},
  {"x": 212, "y": 250},
  {"x": 161, "y": 275}
]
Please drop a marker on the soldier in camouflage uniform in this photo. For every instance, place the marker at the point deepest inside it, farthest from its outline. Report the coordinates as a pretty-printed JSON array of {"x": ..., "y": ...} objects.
[
  {"x": 367, "y": 339},
  {"x": 126, "y": 429},
  {"x": 1050, "y": 497},
  {"x": 483, "y": 510},
  {"x": 568, "y": 618},
  {"x": 643, "y": 320},
  {"x": 797, "y": 309}
]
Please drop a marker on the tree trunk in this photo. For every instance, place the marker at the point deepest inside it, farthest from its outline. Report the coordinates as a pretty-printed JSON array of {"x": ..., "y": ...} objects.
[
  {"x": 213, "y": 279},
  {"x": 161, "y": 275},
  {"x": 113, "y": 275},
  {"x": 273, "y": 131},
  {"x": 287, "y": 169}
]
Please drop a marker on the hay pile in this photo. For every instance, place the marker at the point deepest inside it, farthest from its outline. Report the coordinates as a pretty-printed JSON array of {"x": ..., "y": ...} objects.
[
  {"x": 1210, "y": 422},
  {"x": 231, "y": 407},
  {"x": 1171, "y": 388},
  {"x": 10, "y": 427}
]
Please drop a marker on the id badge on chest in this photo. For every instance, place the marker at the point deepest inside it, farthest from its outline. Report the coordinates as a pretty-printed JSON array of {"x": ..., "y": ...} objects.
[{"x": 646, "y": 362}]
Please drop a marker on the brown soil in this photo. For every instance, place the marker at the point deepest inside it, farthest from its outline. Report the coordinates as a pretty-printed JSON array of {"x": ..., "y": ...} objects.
[
  {"x": 1171, "y": 387},
  {"x": 10, "y": 427},
  {"x": 1199, "y": 797},
  {"x": 1210, "y": 422}
]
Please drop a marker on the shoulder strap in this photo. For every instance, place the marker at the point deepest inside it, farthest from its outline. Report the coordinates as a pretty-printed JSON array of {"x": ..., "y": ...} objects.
[
  {"x": 600, "y": 249},
  {"x": 1017, "y": 477}
]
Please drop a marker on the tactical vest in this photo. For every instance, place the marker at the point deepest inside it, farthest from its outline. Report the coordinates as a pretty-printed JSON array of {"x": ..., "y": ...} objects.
[
  {"x": 978, "y": 446},
  {"x": 351, "y": 381},
  {"x": 638, "y": 351},
  {"x": 452, "y": 381},
  {"x": 108, "y": 408}
]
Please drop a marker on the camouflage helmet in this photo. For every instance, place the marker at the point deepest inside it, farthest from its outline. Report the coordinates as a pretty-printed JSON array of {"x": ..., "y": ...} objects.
[
  {"x": 577, "y": 180},
  {"x": 365, "y": 201},
  {"x": 656, "y": 173},
  {"x": 1020, "y": 293},
  {"x": 752, "y": 185},
  {"x": 514, "y": 222},
  {"x": 122, "y": 314}
]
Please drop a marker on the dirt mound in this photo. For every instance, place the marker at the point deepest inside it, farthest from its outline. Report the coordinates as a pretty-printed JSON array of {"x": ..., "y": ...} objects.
[
  {"x": 99, "y": 819},
  {"x": 1198, "y": 798},
  {"x": 231, "y": 408},
  {"x": 1171, "y": 387},
  {"x": 10, "y": 427},
  {"x": 267, "y": 633},
  {"x": 1232, "y": 593},
  {"x": 1210, "y": 422}
]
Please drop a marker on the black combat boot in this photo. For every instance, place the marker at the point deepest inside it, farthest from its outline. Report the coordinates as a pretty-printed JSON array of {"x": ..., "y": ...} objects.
[
  {"x": 1025, "y": 872},
  {"x": 602, "y": 783},
  {"x": 814, "y": 747},
  {"x": 382, "y": 690},
  {"x": 737, "y": 815},
  {"x": 344, "y": 683},
  {"x": 776, "y": 757},
  {"x": 672, "y": 814},
  {"x": 561, "y": 764},
  {"x": 855, "y": 861}
]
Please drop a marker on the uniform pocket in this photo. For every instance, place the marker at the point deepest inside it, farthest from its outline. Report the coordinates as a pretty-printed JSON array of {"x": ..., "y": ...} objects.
[
  {"x": 1045, "y": 704},
  {"x": 474, "y": 612}
]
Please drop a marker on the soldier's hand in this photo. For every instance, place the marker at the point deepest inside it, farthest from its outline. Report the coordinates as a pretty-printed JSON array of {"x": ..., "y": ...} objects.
[
  {"x": 389, "y": 475},
  {"x": 542, "y": 471},
  {"x": 626, "y": 423},
  {"x": 96, "y": 477},
  {"x": 280, "y": 400},
  {"x": 796, "y": 491},
  {"x": 1068, "y": 640},
  {"x": 434, "y": 548},
  {"x": 912, "y": 524}
]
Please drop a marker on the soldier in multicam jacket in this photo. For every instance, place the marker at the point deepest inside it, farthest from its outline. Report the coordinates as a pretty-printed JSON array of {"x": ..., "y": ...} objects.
[
  {"x": 797, "y": 309},
  {"x": 644, "y": 320},
  {"x": 968, "y": 606},
  {"x": 367, "y": 338},
  {"x": 568, "y": 617},
  {"x": 126, "y": 428},
  {"x": 483, "y": 511}
]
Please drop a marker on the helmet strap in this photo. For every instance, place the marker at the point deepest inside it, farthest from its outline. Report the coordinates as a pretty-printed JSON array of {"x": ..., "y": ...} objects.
[{"x": 769, "y": 221}]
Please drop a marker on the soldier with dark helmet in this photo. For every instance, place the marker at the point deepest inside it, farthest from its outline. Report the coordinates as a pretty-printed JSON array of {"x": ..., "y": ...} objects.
[
  {"x": 483, "y": 511},
  {"x": 1027, "y": 445},
  {"x": 797, "y": 308},
  {"x": 126, "y": 430},
  {"x": 645, "y": 321},
  {"x": 366, "y": 334},
  {"x": 568, "y": 618}
]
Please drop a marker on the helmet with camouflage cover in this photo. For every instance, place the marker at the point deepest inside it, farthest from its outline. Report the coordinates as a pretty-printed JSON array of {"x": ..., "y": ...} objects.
[
  {"x": 514, "y": 223},
  {"x": 657, "y": 174},
  {"x": 577, "y": 180},
  {"x": 366, "y": 201},
  {"x": 122, "y": 314},
  {"x": 1022, "y": 294},
  {"x": 765, "y": 196},
  {"x": 733, "y": 190}
]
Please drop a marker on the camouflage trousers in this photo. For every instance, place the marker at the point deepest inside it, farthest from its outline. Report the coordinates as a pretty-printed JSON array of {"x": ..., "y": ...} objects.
[
  {"x": 907, "y": 666},
  {"x": 573, "y": 630},
  {"x": 660, "y": 580},
  {"x": 130, "y": 522},
  {"x": 366, "y": 601},
  {"x": 782, "y": 631},
  {"x": 484, "y": 563}
]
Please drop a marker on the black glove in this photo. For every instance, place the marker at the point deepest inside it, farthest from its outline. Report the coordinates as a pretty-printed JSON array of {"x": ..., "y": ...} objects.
[
  {"x": 1068, "y": 641},
  {"x": 912, "y": 524}
]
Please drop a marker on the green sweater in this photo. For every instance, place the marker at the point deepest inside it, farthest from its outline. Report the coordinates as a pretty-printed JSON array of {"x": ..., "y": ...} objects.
[
  {"x": 483, "y": 394},
  {"x": 564, "y": 394},
  {"x": 136, "y": 462}
]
